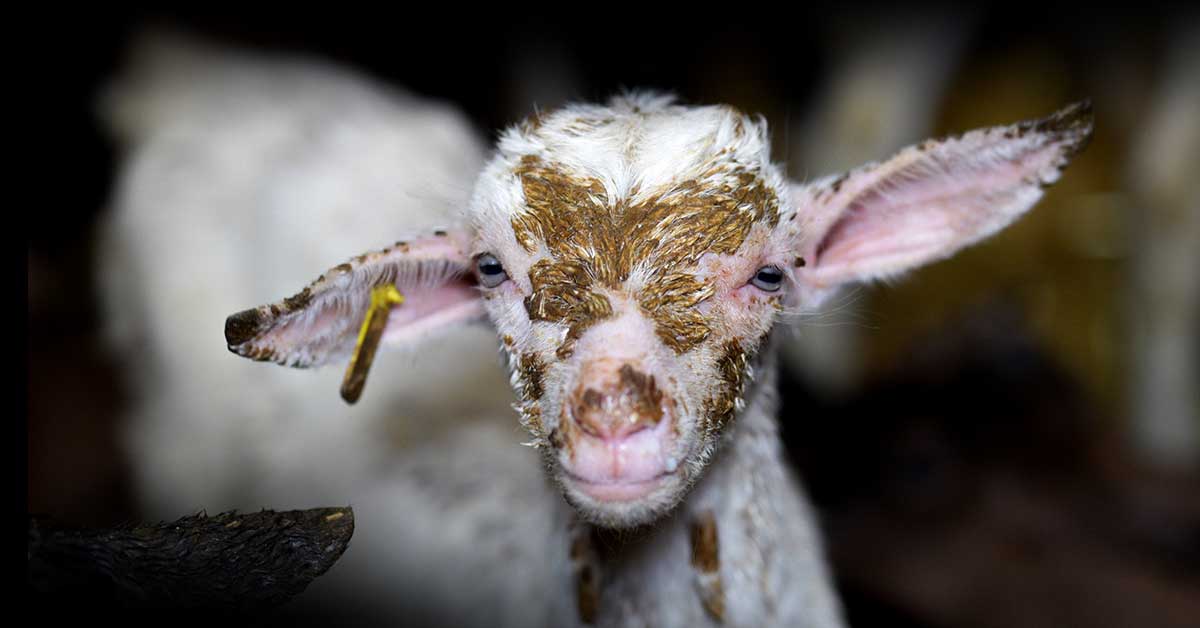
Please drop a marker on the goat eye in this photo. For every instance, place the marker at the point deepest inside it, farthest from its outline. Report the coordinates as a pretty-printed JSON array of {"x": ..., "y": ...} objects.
[
  {"x": 768, "y": 278},
  {"x": 491, "y": 272}
]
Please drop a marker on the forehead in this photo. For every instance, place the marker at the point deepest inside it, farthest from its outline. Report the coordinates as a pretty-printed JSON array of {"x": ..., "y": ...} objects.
[
  {"x": 638, "y": 184},
  {"x": 638, "y": 153},
  {"x": 640, "y": 145}
]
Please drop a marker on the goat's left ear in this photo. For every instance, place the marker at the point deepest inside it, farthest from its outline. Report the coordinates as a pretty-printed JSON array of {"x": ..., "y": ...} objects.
[
  {"x": 322, "y": 322},
  {"x": 928, "y": 201}
]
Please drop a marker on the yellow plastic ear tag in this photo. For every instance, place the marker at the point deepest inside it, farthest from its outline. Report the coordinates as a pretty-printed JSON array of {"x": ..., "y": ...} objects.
[{"x": 382, "y": 300}]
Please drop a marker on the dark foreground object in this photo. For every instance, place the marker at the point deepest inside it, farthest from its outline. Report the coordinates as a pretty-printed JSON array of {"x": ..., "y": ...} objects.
[{"x": 228, "y": 564}]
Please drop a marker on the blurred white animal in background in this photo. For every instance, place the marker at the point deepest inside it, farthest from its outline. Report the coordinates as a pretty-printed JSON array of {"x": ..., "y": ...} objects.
[{"x": 243, "y": 175}]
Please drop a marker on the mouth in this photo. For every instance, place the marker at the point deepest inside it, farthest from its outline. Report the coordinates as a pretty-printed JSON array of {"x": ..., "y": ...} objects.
[
  {"x": 618, "y": 491},
  {"x": 627, "y": 469}
]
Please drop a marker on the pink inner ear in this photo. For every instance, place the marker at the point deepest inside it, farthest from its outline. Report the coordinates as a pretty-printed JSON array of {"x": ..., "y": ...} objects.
[
  {"x": 428, "y": 309},
  {"x": 424, "y": 310},
  {"x": 931, "y": 200},
  {"x": 322, "y": 322},
  {"x": 886, "y": 226}
]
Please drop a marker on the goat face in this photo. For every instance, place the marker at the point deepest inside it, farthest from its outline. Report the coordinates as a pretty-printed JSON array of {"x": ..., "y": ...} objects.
[{"x": 632, "y": 261}]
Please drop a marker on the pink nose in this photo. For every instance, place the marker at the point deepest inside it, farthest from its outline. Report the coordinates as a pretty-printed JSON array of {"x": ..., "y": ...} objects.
[{"x": 624, "y": 406}]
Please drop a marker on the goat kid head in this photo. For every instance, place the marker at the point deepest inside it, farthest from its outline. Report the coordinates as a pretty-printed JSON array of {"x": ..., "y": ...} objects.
[{"x": 633, "y": 258}]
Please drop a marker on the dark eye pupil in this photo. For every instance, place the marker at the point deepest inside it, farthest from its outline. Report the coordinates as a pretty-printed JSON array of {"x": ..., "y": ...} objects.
[
  {"x": 491, "y": 271},
  {"x": 768, "y": 278}
]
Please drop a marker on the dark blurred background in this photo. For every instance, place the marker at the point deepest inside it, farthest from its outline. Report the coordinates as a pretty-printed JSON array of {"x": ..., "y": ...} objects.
[{"x": 1006, "y": 439}]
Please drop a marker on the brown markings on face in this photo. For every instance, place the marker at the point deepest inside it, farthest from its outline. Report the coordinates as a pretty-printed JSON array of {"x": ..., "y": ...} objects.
[
  {"x": 561, "y": 294},
  {"x": 732, "y": 368},
  {"x": 596, "y": 242},
  {"x": 564, "y": 437},
  {"x": 531, "y": 414},
  {"x": 532, "y": 371},
  {"x": 643, "y": 394},
  {"x": 556, "y": 439},
  {"x": 634, "y": 401}
]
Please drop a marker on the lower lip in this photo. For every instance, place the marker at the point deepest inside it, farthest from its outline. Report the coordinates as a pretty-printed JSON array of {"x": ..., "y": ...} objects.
[{"x": 618, "y": 491}]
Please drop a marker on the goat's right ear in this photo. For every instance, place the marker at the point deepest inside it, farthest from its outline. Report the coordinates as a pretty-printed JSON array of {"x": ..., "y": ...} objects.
[{"x": 321, "y": 323}]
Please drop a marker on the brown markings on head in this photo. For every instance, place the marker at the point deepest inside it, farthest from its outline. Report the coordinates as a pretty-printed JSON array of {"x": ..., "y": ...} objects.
[
  {"x": 642, "y": 393},
  {"x": 634, "y": 401},
  {"x": 561, "y": 294},
  {"x": 531, "y": 416},
  {"x": 556, "y": 439},
  {"x": 732, "y": 367},
  {"x": 592, "y": 399},
  {"x": 596, "y": 242},
  {"x": 564, "y": 436},
  {"x": 532, "y": 370}
]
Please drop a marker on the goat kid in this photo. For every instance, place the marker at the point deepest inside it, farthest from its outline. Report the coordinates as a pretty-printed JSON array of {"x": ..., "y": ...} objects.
[{"x": 633, "y": 259}]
